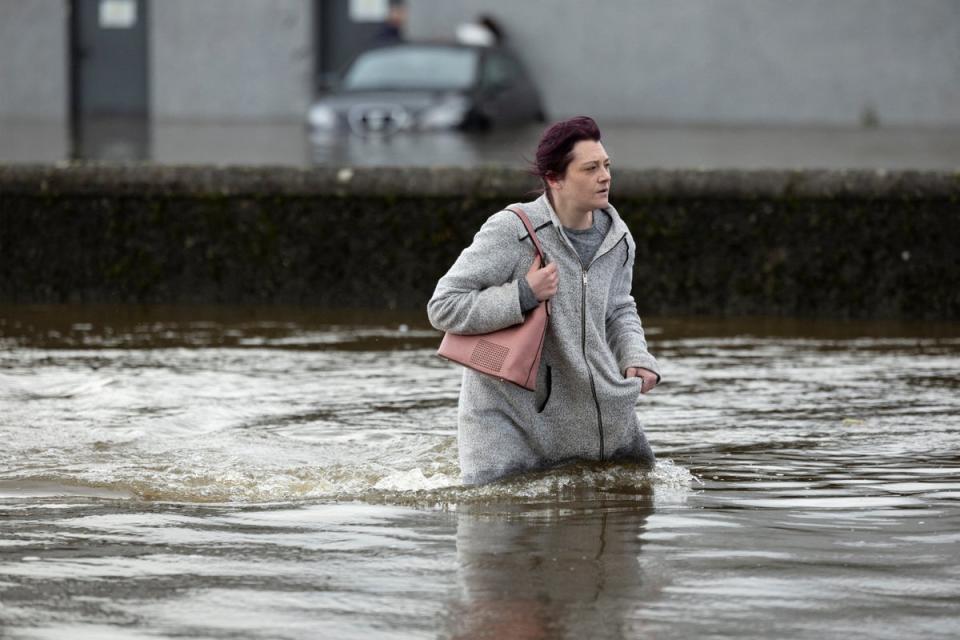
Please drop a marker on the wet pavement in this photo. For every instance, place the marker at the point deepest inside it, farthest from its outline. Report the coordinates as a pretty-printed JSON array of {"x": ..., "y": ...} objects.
[{"x": 631, "y": 146}]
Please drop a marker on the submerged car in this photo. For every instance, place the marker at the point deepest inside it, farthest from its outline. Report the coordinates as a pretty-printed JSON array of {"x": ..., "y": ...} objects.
[{"x": 428, "y": 86}]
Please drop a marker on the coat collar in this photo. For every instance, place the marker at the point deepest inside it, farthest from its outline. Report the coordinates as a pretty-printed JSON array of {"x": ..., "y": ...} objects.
[{"x": 540, "y": 211}]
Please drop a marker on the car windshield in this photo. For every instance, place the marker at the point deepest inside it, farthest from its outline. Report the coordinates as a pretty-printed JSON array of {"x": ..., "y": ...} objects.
[{"x": 413, "y": 67}]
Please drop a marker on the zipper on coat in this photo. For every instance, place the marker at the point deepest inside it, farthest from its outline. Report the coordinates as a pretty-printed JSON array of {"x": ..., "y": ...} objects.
[
  {"x": 583, "y": 341},
  {"x": 583, "y": 331},
  {"x": 586, "y": 362}
]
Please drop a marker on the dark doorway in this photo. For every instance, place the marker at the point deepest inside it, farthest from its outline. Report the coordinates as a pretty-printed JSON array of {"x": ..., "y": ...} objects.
[
  {"x": 109, "y": 82},
  {"x": 345, "y": 28}
]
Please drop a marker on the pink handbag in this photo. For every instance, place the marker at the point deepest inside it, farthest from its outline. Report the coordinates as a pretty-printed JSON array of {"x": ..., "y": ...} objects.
[{"x": 511, "y": 354}]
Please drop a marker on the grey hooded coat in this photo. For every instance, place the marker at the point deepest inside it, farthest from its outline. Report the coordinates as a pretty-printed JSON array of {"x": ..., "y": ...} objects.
[{"x": 583, "y": 408}]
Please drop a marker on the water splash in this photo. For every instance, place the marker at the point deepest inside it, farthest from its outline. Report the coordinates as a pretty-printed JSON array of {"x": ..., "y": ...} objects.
[{"x": 359, "y": 482}]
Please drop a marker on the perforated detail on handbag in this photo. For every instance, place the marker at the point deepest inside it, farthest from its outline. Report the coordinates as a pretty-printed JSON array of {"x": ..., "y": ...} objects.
[{"x": 489, "y": 355}]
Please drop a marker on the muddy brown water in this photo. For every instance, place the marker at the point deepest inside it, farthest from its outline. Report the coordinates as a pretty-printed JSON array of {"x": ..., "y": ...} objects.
[{"x": 263, "y": 472}]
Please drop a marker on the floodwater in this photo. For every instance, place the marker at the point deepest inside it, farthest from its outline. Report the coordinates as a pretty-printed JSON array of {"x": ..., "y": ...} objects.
[
  {"x": 635, "y": 146},
  {"x": 282, "y": 473}
]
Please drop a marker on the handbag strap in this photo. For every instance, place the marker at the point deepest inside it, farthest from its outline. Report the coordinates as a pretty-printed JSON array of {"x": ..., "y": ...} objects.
[
  {"x": 536, "y": 243},
  {"x": 533, "y": 234}
]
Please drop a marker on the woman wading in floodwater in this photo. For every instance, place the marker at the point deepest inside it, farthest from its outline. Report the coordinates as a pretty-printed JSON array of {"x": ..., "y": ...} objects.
[{"x": 595, "y": 360}]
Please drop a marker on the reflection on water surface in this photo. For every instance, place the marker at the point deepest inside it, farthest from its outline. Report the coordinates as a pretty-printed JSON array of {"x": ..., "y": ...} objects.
[
  {"x": 270, "y": 473},
  {"x": 637, "y": 146}
]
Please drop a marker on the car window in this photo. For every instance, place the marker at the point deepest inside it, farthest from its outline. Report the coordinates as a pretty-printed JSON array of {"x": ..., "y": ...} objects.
[
  {"x": 499, "y": 70},
  {"x": 413, "y": 68}
]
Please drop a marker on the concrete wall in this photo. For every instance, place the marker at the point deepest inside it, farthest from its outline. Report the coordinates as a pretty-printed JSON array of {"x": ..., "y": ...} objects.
[
  {"x": 231, "y": 59},
  {"x": 34, "y": 81},
  {"x": 737, "y": 61}
]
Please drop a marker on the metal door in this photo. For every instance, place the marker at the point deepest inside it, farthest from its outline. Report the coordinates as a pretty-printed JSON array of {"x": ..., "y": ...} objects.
[
  {"x": 109, "y": 57},
  {"x": 109, "y": 105}
]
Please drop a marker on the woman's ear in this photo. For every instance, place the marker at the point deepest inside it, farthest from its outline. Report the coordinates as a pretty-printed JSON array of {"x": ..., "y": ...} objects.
[{"x": 554, "y": 181}]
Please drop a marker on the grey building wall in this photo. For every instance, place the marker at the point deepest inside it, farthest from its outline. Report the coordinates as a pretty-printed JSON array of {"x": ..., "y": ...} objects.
[
  {"x": 726, "y": 61},
  {"x": 33, "y": 60},
  {"x": 231, "y": 59},
  {"x": 732, "y": 61}
]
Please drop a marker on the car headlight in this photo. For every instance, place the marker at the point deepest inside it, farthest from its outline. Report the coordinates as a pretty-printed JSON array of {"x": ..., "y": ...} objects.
[
  {"x": 322, "y": 117},
  {"x": 444, "y": 115}
]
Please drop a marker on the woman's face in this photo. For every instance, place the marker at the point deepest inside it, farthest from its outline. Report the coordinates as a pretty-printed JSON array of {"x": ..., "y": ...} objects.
[{"x": 585, "y": 185}]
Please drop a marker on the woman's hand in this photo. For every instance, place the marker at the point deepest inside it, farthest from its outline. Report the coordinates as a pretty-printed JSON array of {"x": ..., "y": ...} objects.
[
  {"x": 543, "y": 282},
  {"x": 648, "y": 378}
]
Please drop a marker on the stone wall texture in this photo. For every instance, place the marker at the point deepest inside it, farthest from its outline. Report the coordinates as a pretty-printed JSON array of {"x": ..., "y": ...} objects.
[{"x": 812, "y": 243}]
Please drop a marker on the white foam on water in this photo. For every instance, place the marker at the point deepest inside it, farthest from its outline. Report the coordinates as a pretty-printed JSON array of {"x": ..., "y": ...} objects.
[
  {"x": 81, "y": 631},
  {"x": 63, "y": 385},
  {"x": 415, "y": 471},
  {"x": 262, "y": 425},
  {"x": 374, "y": 483},
  {"x": 414, "y": 480}
]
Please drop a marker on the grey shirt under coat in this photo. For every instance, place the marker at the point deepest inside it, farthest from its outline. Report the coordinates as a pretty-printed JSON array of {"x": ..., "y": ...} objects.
[{"x": 584, "y": 408}]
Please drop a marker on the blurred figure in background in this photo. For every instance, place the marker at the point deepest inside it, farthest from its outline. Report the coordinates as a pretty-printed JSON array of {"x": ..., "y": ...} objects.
[
  {"x": 483, "y": 32},
  {"x": 393, "y": 28}
]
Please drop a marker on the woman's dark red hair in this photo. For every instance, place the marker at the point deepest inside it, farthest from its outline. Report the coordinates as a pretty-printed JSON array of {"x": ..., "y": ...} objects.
[{"x": 555, "y": 151}]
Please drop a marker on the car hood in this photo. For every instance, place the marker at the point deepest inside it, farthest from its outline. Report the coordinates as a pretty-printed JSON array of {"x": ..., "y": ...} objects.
[{"x": 411, "y": 100}]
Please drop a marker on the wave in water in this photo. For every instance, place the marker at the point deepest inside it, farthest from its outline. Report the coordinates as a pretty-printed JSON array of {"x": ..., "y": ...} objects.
[{"x": 429, "y": 484}]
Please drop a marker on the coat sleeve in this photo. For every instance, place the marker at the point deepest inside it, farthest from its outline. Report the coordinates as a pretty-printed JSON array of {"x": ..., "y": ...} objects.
[
  {"x": 477, "y": 294},
  {"x": 624, "y": 330}
]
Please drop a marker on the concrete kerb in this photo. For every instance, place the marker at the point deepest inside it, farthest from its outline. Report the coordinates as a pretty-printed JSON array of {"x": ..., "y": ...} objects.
[{"x": 141, "y": 180}]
